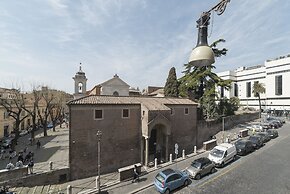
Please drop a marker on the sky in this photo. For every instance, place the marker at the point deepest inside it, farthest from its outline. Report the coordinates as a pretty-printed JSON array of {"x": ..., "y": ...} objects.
[{"x": 43, "y": 42}]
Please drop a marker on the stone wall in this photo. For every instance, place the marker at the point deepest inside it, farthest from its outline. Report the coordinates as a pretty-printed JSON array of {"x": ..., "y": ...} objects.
[
  {"x": 120, "y": 141},
  {"x": 183, "y": 129},
  {"x": 206, "y": 129},
  {"x": 13, "y": 174},
  {"x": 45, "y": 178}
]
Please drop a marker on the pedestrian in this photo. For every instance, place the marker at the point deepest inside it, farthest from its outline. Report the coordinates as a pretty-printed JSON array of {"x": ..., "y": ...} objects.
[
  {"x": 20, "y": 157},
  {"x": 38, "y": 144},
  {"x": 30, "y": 141},
  {"x": 136, "y": 174},
  {"x": 28, "y": 157},
  {"x": 10, "y": 166},
  {"x": 30, "y": 166},
  {"x": 19, "y": 164}
]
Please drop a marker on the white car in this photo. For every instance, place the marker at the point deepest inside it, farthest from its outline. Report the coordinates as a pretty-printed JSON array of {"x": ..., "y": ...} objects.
[{"x": 223, "y": 154}]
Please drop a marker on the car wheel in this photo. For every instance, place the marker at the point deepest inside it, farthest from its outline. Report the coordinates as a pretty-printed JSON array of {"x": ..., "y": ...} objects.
[
  {"x": 222, "y": 164},
  {"x": 235, "y": 158},
  {"x": 167, "y": 191},
  {"x": 212, "y": 170},
  {"x": 197, "y": 177},
  {"x": 185, "y": 183}
]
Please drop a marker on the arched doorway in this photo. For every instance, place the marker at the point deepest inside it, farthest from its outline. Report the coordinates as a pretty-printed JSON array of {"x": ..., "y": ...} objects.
[{"x": 157, "y": 144}]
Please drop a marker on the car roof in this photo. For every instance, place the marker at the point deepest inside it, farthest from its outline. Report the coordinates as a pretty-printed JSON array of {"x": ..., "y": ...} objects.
[
  {"x": 167, "y": 172},
  {"x": 201, "y": 160},
  {"x": 224, "y": 146},
  {"x": 242, "y": 141}
]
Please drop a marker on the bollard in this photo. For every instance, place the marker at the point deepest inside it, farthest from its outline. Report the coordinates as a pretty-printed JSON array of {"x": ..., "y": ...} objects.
[
  {"x": 170, "y": 158},
  {"x": 97, "y": 182},
  {"x": 183, "y": 154},
  {"x": 69, "y": 189},
  {"x": 50, "y": 165},
  {"x": 194, "y": 149},
  {"x": 155, "y": 162}
]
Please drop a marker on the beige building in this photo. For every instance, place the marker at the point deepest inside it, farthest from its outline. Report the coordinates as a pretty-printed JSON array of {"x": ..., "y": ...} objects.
[
  {"x": 134, "y": 129},
  {"x": 112, "y": 87},
  {"x": 7, "y": 123}
]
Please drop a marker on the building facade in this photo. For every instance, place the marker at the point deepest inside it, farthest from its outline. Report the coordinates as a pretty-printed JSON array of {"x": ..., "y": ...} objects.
[
  {"x": 112, "y": 87},
  {"x": 134, "y": 129},
  {"x": 273, "y": 74},
  {"x": 80, "y": 85}
]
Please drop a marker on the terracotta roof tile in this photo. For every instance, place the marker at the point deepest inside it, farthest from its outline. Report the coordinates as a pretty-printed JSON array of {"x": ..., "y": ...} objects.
[{"x": 151, "y": 103}]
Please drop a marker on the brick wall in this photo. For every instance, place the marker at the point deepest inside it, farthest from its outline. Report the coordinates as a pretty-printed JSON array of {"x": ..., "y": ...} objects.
[
  {"x": 206, "y": 129},
  {"x": 120, "y": 142}
]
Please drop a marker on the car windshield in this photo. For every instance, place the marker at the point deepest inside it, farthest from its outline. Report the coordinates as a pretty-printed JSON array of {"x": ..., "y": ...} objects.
[
  {"x": 216, "y": 152},
  {"x": 240, "y": 144},
  {"x": 253, "y": 138},
  {"x": 196, "y": 164},
  {"x": 160, "y": 178}
]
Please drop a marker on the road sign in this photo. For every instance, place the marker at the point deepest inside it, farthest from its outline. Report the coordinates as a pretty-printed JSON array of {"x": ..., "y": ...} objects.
[{"x": 176, "y": 148}]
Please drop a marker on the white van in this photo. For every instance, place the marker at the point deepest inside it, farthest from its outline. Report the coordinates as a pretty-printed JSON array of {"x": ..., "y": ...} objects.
[{"x": 223, "y": 154}]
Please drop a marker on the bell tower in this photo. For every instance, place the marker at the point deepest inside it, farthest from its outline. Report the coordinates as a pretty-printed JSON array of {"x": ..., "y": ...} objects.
[{"x": 80, "y": 83}]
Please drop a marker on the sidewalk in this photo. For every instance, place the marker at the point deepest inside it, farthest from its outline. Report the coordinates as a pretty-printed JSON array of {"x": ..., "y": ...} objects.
[
  {"x": 54, "y": 147},
  {"x": 146, "y": 178}
]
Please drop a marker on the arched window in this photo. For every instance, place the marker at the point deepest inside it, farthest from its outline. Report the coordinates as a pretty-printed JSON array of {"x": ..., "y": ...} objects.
[
  {"x": 80, "y": 87},
  {"x": 115, "y": 93}
]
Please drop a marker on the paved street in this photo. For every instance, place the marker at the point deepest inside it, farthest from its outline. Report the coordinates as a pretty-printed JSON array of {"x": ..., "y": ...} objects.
[
  {"x": 255, "y": 173},
  {"x": 266, "y": 171}
]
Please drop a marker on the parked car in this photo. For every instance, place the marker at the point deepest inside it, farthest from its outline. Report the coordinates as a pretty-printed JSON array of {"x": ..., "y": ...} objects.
[
  {"x": 169, "y": 180},
  {"x": 272, "y": 133},
  {"x": 23, "y": 132},
  {"x": 200, "y": 167},
  {"x": 244, "y": 147},
  {"x": 7, "y": 143},
  {"x": 257, "y": 141},
  {"x": 223, "y": 154},
  {"x": 266, "y": 126},
  {"x": 265, "y": 136},
  {"x": 255, "y": 127},
  {"x": 275, "y": 121},
  {"x": 49, "y": 125}
]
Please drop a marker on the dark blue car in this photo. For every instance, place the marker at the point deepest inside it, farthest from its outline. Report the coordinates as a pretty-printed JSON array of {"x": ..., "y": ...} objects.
[{"x": 169, "y": 180}]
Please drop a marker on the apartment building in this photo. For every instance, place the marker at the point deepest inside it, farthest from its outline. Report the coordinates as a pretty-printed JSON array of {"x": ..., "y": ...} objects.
[{"x": 274, "y": 74}]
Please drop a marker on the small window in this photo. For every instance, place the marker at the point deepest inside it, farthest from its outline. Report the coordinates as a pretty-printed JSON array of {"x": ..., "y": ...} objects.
[
  {"x": 98, "y": 114},
  {"x": 125, "y": 113},
  {"x": 222, "y": 92},
  {"x": 115, "y": 93},
  {"x": 170, "y": 179},
  {"x": 278, "y": 85},
  {"x": 248, "y": 88},
  {"x": 236, "y": 90},
  {"x": 186, "y": 111}
]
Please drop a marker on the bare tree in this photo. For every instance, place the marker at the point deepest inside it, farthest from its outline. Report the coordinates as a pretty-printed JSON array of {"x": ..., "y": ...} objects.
[
  {"x": 44, "y": 112},
  {"x": 33, "y": 100},
  {"x": 56, "y": 111},
  {"x": 15, "y": 109}
]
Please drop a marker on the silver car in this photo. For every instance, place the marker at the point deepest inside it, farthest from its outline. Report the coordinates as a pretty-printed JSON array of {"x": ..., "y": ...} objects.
[{"x": 200, "y": 167}]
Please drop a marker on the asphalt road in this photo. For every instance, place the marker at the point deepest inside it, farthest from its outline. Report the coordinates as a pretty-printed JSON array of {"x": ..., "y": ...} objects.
[{"x": 266, "y": 171}]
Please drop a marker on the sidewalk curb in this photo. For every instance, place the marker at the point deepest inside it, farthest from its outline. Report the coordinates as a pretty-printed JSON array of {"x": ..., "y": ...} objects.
[
  {"x": 141, "y": 188},
  {"x": 147, "y": 171}
]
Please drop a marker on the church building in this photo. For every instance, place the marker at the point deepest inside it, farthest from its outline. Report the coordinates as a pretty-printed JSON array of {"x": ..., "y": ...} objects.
[{"x": 135, "y": 129}]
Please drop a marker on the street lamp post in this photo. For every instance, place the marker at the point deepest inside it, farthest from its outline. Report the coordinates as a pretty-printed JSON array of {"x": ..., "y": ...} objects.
[
  {"x": 99, "y": 135},
  {"x": 202, "y": 54}
]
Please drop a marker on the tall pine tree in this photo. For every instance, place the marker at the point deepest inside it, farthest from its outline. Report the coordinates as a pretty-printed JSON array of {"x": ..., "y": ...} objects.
[{"x": 171, "y": 86}]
